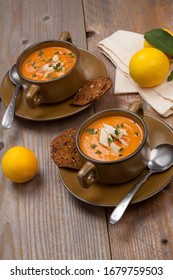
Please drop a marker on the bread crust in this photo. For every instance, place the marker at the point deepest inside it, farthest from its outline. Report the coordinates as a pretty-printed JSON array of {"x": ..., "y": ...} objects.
[
  {"x": 63, "y": 150},
  {"x": 91, "y": 91}
]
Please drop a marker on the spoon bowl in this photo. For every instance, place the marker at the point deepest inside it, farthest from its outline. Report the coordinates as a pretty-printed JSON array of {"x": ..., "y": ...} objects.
[
  {"x": 161, "y": 159},
  {"x": 9, "y": 113},
  {"x": 13, "y": 75}
]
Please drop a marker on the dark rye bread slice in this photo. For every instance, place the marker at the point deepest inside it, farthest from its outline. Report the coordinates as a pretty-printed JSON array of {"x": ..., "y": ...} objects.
[
  {"x": 91, "y": 91},
  {"x": 63, "y": 150}
]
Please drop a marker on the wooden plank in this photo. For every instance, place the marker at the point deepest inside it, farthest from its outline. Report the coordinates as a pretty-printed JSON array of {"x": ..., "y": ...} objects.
[
  {"x": 41, "y": 219},
  {"x": 145, "y": 231}
]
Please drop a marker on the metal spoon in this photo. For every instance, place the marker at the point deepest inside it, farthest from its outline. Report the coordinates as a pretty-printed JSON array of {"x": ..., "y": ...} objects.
[
  {"x": 161, "y": 159},
  {"x": 9, "y": 113}
]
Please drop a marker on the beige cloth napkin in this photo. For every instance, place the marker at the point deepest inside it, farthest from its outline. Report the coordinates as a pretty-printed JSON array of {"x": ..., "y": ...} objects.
[{"x": 119, "y": 48}]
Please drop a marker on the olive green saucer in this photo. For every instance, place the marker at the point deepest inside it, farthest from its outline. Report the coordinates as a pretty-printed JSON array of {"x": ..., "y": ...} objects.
[
  {"x": 110, "y": 195},
  {"x": 93, "y": 67}
]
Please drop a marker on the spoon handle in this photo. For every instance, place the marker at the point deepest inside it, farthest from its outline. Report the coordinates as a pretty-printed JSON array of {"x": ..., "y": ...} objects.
[
  {"x": 122, "y": 206},
  {"x": 9, "y": 113}
]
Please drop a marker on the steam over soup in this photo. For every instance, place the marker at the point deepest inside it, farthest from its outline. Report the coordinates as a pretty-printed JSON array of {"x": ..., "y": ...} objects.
[
  {"x": 48, "y": 63},
  {"x": 111, "y": 138}
]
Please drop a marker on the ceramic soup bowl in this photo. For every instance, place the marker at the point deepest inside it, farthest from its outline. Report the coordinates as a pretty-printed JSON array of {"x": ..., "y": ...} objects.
[
  {"x": 50, "y": 71},
  {"x": 114, "y": 146}
]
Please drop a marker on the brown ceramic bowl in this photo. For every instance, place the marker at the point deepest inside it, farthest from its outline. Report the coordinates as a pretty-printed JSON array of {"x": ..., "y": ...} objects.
[
  {"x": 57, "y": 90},
  {"x": 117, "y": 171}
]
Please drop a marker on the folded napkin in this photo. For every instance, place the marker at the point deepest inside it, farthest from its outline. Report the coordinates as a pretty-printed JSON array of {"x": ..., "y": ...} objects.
[{"x": 119, "y": 48}]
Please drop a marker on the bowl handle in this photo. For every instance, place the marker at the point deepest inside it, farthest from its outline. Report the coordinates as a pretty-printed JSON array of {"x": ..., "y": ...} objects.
[
  {"x": 87, "y": 175},
  {"x": 137, "y": 108},
  {"x": 34, "y": 96},
  {"x": 65, "y": 36}
]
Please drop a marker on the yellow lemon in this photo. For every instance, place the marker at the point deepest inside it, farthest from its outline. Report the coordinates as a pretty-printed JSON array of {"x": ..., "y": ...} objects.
[
  {"x": 149, "y": 67},
  {"x": 148, "y": 45},
  {"x": 19, "y": 164}
]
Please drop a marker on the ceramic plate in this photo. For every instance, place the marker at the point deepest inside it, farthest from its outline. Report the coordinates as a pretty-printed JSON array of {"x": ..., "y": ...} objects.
[
  {"x": 110, "y": 195},
  {"x": 93, "y": 67}
]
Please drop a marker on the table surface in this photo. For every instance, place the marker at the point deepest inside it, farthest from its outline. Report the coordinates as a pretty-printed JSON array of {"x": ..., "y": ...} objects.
[{"x": 42, "y": 219}]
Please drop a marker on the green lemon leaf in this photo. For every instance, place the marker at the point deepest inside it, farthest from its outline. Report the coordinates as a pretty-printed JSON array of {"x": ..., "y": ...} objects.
[
  {"x": 170, "y": 77},
  {"x": 160, "y": 39}
]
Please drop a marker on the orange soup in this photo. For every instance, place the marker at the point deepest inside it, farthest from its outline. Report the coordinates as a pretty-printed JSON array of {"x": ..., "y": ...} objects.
[
  {"x": 48, "y": 64},
  {"x": 111, "y": 138}
]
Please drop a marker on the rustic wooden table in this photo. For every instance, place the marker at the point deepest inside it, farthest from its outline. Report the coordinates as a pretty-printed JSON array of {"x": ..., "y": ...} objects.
[{"x": 41, "y": 219}]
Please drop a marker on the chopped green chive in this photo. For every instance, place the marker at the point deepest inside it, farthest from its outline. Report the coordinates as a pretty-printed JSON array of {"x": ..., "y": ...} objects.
[
  {"x": 71, "y": 55},
  {"x": 117, "y": 132},
  {"x": 110, "y": 140},
  {"x": 118, "y": 126},
  {"x": 40, "y": 53},
  {"x": 58, "y": 64},
  {"x": 51, "y": 77},
  {"x": 57, "y": 67},
  {"x": 91, "y": 130},
  {"x": 98, "y": 152},
  {"x": 33, "y": 64},
  {"x": 93, "y": 146}
]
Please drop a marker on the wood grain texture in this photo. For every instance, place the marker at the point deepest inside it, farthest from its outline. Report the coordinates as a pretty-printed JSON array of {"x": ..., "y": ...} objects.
[{"x": 41, "y": 219}]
